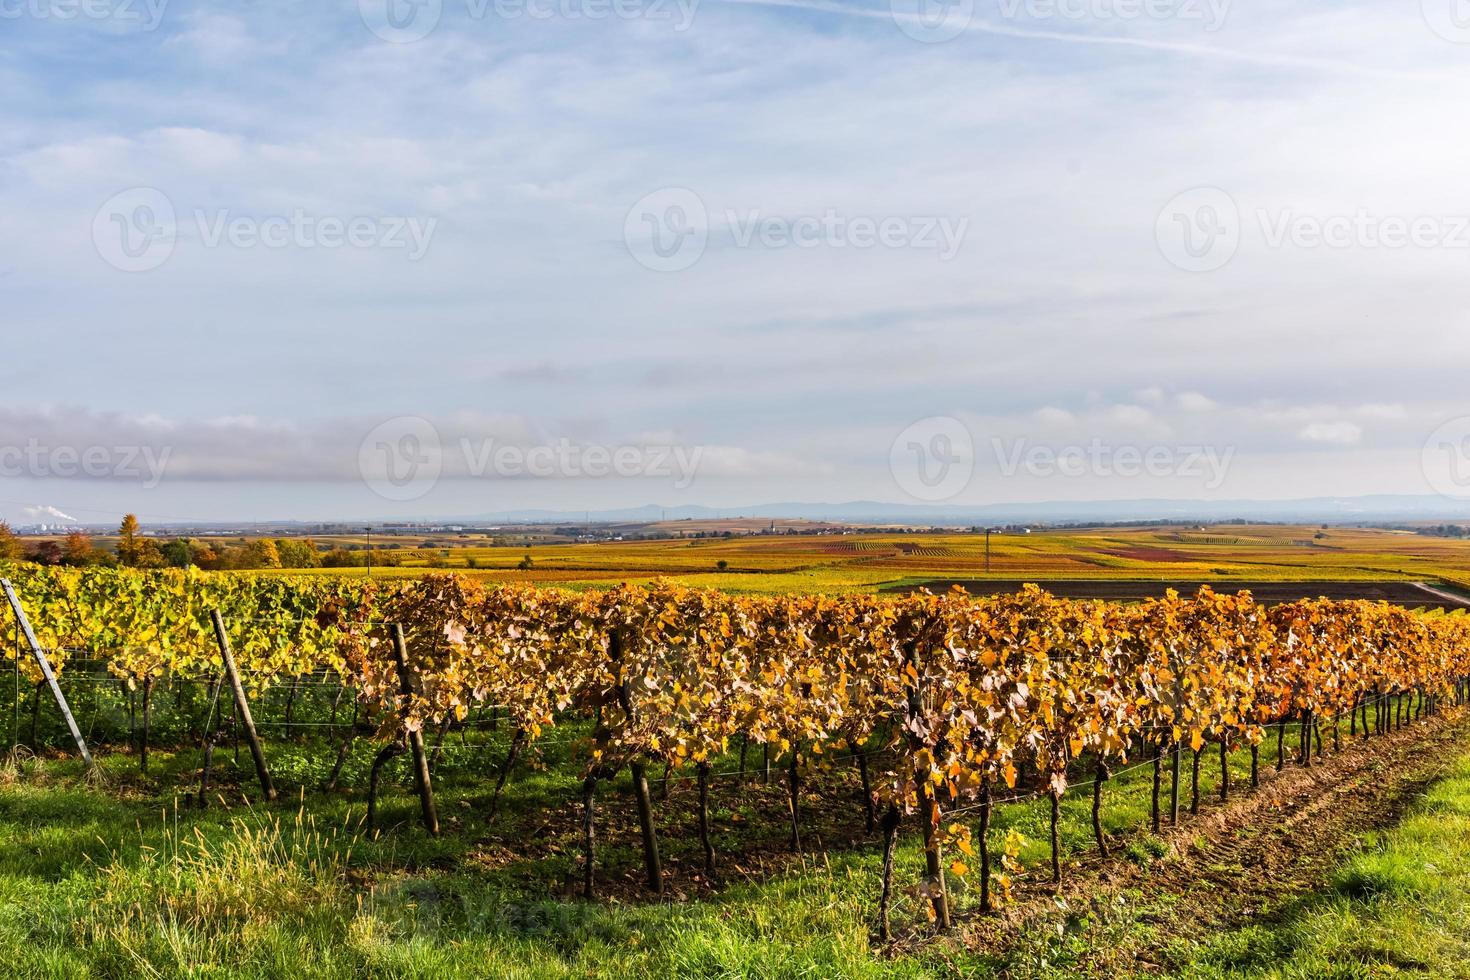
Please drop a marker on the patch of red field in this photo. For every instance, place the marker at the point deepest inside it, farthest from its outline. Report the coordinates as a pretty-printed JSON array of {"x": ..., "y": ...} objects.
[{"x": 1149, "y": 554}]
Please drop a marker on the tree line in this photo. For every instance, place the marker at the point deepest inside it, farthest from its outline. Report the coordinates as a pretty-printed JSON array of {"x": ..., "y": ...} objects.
[{"x": 132, "y": 549}]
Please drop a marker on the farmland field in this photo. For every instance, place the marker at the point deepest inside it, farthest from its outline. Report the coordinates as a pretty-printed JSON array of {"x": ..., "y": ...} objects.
[{"x": 1225, "y": 556}]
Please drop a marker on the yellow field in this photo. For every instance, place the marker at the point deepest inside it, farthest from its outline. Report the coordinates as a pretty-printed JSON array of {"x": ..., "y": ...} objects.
[{"x": 868, "y": 562}]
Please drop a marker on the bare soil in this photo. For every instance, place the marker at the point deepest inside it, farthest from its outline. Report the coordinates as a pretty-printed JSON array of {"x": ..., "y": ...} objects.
[{"x": 1238, "y": 861}]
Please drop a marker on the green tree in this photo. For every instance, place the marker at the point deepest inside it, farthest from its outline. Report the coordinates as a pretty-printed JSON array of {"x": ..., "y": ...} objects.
[
  {"x": 181, "y": 553},
  {"x": 342, "y": 558},
  {"x": 298, "y": 553}
]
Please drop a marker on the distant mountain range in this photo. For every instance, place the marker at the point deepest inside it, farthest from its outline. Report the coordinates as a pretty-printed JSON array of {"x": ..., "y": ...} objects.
[{"x": 1309, "y": 510}]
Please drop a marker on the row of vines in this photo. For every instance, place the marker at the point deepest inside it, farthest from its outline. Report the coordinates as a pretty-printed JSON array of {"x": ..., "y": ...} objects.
[{"x": 948, "y": 703}]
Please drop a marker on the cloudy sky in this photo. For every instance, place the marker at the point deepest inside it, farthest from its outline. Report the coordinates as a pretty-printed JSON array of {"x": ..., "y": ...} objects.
[{"x": 277, "y": 258}]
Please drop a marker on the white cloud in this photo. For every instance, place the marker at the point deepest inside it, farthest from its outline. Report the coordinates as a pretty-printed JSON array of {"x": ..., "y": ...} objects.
[
  {"x": 1333, "y": 433},
  {"x": 1050, "y": 415},
  {"x": 1193, "y": 401},
  {"x": 1388, "y": 412}
]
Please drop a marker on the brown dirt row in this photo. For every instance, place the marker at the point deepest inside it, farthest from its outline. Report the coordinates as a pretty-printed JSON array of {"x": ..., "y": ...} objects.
[{"x": 1235, "y": 862}]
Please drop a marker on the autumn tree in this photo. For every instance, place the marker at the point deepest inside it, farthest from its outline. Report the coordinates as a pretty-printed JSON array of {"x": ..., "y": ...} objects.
[
  {"x": 45, "y": 553},
  {"x": 77, "y": 549},
  {"x": 11, "y": 548},
  {"x": 128, "y": 547},
  {"x": 262, "y": 553}
]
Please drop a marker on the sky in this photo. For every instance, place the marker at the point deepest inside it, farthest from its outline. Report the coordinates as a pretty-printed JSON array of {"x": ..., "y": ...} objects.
[{"x": 274, "y": 259}]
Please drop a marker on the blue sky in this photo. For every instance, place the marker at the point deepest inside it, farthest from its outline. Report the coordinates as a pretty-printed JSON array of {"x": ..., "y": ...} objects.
[{"x": 1030, "y": 171}]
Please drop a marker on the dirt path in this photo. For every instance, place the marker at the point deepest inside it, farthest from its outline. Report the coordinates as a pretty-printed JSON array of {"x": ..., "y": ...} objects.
[{"x": 1237, "y": 861}]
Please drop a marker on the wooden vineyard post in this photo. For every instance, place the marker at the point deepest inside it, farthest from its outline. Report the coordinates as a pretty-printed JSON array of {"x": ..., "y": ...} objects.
[
  {"x": 390, "y": 751},
  {"x": 793, "y": 791},
  {"x": 242, "y": 706},
  {"x": 208, "y": 740},
  {"x": 652, "y": 865},
  {"x": 986, "y": 905},
  {"x": 516, "y": 742},
  {"x": 1158, "y": 767},
  {"x": 147, "y": 723},
  {"x": 890, "y": 835},
  {"x": 421, "y": 779},
  {"x": 1224, "y": 768},
  {"x": 46, "y": 672},
  {"x": 15, "y": 703},
  {"x": 709, "y": 848},
  {"x": 928, "y": 806},
  {"x": 870, "y": 811}
]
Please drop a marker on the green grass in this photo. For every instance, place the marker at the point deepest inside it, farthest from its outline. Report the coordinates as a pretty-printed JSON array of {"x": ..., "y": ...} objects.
[
  {"x": 1399, "y": 906},
  {"x": 120, "y": 883},
  {"x": 127, "y": 880}
]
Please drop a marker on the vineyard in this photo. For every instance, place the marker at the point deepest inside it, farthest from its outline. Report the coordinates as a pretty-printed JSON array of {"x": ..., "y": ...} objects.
[{"x": 948, "y": 706}]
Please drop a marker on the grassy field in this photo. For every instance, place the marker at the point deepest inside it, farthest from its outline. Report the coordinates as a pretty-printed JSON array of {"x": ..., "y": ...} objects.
[
  {"x": 863, "y": 562},
  {"x": 126, "y": 878},
  {"x": 1399, "y": 906}
]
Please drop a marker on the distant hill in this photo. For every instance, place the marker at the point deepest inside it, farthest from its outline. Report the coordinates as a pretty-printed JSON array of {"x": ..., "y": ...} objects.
[{"x": 1309, "y": 510}]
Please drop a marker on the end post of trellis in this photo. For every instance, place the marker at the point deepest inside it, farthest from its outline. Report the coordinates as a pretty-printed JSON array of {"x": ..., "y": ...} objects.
[
  {"x": 243, "y": 705},
  {"x": 46, "y": 671},
  {"x": 421, "y": 778}
]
